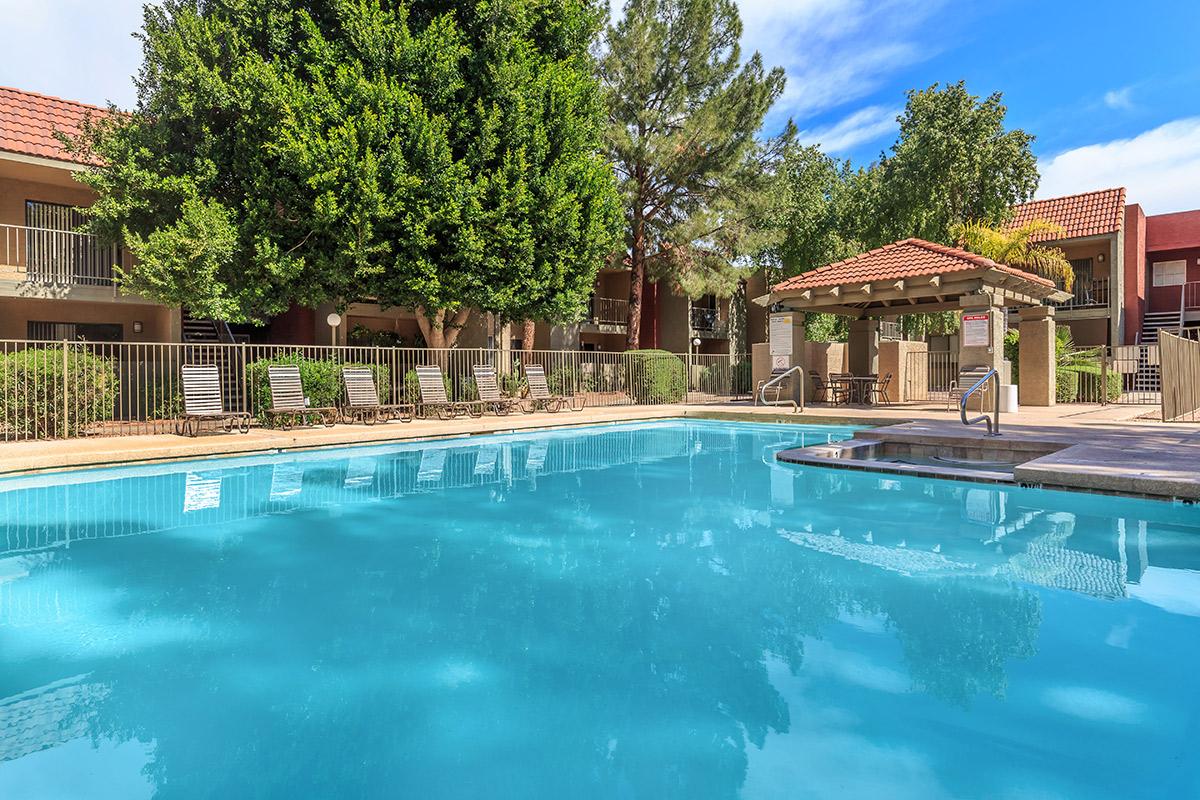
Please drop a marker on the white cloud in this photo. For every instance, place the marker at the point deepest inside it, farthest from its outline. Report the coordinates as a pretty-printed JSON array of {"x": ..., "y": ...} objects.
[
  {"x": 835, "y": 51},
  {"x": 1120, "y": 99},
  {"x": 865, "y": 125},
  {"x": 1160, "y": 168},
  {"x": 77, "y": 49}
]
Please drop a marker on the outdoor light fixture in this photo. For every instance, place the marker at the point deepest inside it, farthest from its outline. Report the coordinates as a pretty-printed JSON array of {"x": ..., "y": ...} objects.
[
  {"x": 137, "y": 326},
  {"x": 1100, "y": 258},
  {"x": 696, "y": 342},
  {"x": 334, "y": 319}
]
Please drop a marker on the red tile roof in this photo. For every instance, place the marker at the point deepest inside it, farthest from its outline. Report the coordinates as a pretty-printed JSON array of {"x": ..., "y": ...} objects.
[
  {"x": 909, "y": 258},
  {"x": 1079, "y": 215},
  {"x": 28, "y": 122}
]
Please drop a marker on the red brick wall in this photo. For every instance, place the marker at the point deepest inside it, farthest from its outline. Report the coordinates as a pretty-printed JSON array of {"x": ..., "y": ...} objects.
[
  {"x": 295, "y": 326},
  {"x": 1135, "y": 270},
  {"x": 1166, "y": 298}
]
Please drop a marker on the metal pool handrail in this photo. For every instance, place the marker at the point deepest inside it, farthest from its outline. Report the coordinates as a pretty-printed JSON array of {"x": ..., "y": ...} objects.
[
  {"x": 993, "y": 426},
  {"x": 762, "y": 391}
]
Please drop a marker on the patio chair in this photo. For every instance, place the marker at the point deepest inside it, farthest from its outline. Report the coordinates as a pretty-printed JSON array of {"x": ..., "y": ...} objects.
[
  {"x": 202, "y": 402},
  {"x": 827, "y": 391},
  {"x": 778, "y": 388},
  {"x": 288, "y": 403},
  {"x": 489, "y": 390},
  {"x": 433, "y": 396},
  {"x": 539, "y": 393},
  {"x": 967, "y": 377},
  {"x": 878, "y": 393},
  {"x": 362, "y": 399}
]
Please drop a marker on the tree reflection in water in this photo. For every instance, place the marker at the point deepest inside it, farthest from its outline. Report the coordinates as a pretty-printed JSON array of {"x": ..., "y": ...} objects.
[{"x": 595, "y": 620}]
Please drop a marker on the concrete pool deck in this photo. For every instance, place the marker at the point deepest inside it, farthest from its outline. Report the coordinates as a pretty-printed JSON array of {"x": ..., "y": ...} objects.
[{"x": 1098, "y": 448}]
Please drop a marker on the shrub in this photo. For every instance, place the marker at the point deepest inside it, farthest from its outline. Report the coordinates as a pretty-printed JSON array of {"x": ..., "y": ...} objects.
[
  {"x": 1089, "y": 377},
  {"x": 1012, "y": 351},
  {"x": 655, "y": 376},
  {"x": 741, "y": 377},
  {"x": 34, "y": 384},
  {"x": 568, "y": 380},
  {"x": 1066, "y": 385},
  {"x": 321, "y": 379},
  {"x": 168, "y": 399}
]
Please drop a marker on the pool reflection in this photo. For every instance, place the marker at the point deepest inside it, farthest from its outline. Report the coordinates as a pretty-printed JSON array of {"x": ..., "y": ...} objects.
[{"x": 659, "y": 611}]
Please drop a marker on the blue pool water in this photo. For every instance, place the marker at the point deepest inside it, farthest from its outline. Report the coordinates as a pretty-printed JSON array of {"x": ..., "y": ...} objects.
[{"x": 645, "y": 611}]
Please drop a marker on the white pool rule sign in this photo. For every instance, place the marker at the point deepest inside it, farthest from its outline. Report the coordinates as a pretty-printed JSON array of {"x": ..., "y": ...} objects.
[
  {"x": 976, "y": 330},
  {"x": 781, "y": 335}
]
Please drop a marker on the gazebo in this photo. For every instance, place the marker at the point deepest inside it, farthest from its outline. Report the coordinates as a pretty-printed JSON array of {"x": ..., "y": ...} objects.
[{"x": 914, "y": 276}]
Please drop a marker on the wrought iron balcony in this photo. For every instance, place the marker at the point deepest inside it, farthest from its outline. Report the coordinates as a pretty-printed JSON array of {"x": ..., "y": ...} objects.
[
  {"x": 1087, "y": 294},
  {"x": 49, "y": 257},
  {"x": 707, "y": 322},
  {"x": 609, "y": 311}
]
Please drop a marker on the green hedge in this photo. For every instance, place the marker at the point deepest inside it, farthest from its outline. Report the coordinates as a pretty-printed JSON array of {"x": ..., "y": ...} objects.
[
  {"x": 322, "y": 381},
  {"x": 568, "y": 380},
  {"x": 1089, "y": 383},
  {"x": 1066, "y": 386},
  {"x": 655, "y": 376},
  {"x": 35, "y": 382}
]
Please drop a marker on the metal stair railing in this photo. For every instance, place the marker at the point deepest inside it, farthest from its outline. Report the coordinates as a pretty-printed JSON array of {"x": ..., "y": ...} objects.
[
  {"x": 797, "y": 400},
  {"x": 993, "y": 422}
]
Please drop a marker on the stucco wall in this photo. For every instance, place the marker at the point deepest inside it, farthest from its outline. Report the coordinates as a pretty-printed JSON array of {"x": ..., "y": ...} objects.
[
  {"x": 1135, "y": 270},
  {"x": 17, "y": 312}
]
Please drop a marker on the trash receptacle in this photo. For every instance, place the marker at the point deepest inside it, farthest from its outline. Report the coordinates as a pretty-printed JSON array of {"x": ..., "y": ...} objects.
[{"x": 1008, "y": 399}]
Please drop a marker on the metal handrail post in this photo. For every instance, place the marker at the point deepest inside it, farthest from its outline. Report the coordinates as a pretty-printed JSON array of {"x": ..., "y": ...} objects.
[{"x": 993, "y": 423}]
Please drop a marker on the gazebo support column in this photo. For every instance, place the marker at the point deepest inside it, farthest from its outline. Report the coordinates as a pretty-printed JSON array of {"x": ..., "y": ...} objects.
[
  {"x": 864, "y": 346},
  {"x": 989, "y": 354},
  {"x": 1037, "y": 379}
]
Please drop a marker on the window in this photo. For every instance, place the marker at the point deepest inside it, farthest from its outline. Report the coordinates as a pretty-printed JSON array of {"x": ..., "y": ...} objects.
[
  {"x": 1169, "y": 273},
  {"x": 74, "y": 331}
]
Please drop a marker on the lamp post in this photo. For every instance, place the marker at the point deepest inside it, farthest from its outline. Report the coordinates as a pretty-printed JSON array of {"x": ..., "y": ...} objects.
[{"x": 334, "y": 319}]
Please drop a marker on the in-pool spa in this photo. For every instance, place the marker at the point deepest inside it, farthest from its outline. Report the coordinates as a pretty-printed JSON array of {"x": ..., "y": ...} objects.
[{"x": 659, "y": 610}]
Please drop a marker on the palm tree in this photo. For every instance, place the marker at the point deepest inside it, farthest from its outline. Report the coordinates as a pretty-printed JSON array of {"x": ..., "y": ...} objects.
[{"x": 1016, "y": 248}]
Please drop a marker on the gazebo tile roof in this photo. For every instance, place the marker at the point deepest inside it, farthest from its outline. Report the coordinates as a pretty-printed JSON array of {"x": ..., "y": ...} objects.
[
  {"x": 908, "y": 258},
  {"x": 1079, "y": 215}
]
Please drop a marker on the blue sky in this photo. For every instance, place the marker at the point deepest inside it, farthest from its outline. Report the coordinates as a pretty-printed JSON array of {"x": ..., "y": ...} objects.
[{"x": 1110, "y": 89}]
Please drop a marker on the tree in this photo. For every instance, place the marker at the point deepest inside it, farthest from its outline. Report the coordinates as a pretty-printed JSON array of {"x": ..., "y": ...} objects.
[
  {"x": 683, "y": 113},
  {"x": 1016, "y": 248},
  {"x": 953, "y": 162},
  {"x": 441, "y": 156}
]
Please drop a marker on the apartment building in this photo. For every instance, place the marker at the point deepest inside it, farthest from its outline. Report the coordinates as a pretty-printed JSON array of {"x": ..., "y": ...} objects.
[{"x": 1134, "y": 274}]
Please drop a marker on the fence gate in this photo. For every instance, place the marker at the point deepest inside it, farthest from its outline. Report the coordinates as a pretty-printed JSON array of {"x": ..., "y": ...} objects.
[
  {"x": 929, "y": 374},
  {"x": 1122, "y": 374},
  {"x": 1180, "y": 378}
]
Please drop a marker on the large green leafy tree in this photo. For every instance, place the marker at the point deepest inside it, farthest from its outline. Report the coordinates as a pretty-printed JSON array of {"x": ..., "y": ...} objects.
[
  {"x": 442, "y": 156},
  {"x": 683, "y": 113},
  {"x": 953, "y": 162}
]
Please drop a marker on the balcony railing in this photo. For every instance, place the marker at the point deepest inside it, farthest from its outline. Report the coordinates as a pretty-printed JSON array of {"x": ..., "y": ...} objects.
[
  {"x": 1191, "y": 295},
  {"x": 1087, "y": 294},
  {"x": 707, "y": 321},
  {"x": 609, "y": 311},
  {"x": 50, "y": 257}
]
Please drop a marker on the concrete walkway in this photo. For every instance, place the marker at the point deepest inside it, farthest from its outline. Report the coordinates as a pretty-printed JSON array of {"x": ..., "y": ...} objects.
[{"x": 1105, "y": 448}]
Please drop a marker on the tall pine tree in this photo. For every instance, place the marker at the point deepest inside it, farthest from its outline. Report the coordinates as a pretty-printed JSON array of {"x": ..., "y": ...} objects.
[{"x": 683, "y": 113}]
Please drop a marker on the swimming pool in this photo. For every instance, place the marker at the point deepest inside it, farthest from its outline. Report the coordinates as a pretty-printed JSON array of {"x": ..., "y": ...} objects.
[{"x": 655, "y": 610}]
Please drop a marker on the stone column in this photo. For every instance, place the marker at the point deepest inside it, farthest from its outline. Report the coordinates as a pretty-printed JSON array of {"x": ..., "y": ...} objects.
[
  {"x": 864, "y": 346},
  {"x": 1036, "y": 380},
  {"x": 908, "y": 362},
  {"x": 986, "y": 353}
]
